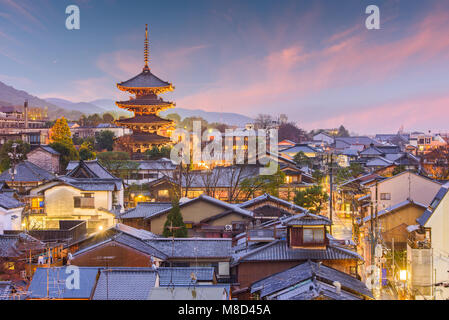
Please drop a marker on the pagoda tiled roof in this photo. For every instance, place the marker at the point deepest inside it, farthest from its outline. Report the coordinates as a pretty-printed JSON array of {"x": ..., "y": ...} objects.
[
  {"x": 146, "y": 119},
  {"x": 145, "y": 79},
  {"x": 149, "y": 138},
  {"x": 143, "y": 102}
]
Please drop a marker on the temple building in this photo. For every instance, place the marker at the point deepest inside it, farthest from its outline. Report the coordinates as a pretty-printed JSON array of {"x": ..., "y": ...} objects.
[{"x": 148, "y": 128}]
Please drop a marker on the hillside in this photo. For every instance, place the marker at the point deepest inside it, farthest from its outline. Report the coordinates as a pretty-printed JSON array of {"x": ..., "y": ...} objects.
[
  {"x": 9, "y": 96},
  {"x": 84, "y": 107}
]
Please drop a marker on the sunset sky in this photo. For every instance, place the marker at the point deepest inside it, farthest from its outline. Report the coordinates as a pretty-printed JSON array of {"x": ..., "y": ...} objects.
[{"x": 313, "y": 60}]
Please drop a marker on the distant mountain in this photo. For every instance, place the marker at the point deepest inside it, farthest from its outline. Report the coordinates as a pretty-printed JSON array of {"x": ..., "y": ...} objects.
[
  {"x": 14, "y": 97},
  {"x": 84, "y": 107},
  {"x": 223, "y": 117},
  {"x": 106, "y": 104}
]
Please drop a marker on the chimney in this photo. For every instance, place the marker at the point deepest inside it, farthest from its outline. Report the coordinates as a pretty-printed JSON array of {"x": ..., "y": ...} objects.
[{"x": 25, "y": 110}]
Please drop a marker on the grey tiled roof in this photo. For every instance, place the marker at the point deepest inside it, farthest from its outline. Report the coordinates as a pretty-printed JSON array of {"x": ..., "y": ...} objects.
[
  {"x": 49, "y": 149},
  {"x": 5, "y": 290},
  {"x": 193, "y": 247},
  {"x": 125, "y": 284},
  {"x": 395, "y": 207},
  {"x": 379, "y": 161},
  {"x": 280, "y": 251},
  {"x": 8, "y": 202},
  {"x": 268, "y": 197},
  {"x": 8, "y": 246},
  {"x": 129, "y": 239},
  {"x": 28, "y": 172},
  {"x": 305, "y": 271},
  {"x": 93, "y": 167},
  {"x": 145, "y": 209},
  {"x": 182, "y": 276},
  {"x": 206, "y": 292},
  {"x": 300, "y": 148},
  {"x": 94, "y": 184},
  {"x": 56, "y": 283},
  {"x": 357, "y": 140},
  {"x": 229, "y": 207},
  {"x": 306, "y": 219}
]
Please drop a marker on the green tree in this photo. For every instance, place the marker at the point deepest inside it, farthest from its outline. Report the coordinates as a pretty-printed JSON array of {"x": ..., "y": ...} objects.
[
  {"x": 86, "y": 151},
  {"x": 302, "y": 160},
  {"x": 318, "y": 175},
  {"x": 342, "y": 132},
  {"x": 60, "y": 132},
  {"x": 108, "y": 118},
  {"x": 312, "y": 198},
  {"x": 5, "y": 161},
  {"x": 158, "y": 152},
  {"x": 174, "y": 116},
  {"x": 105, "y": 140},
  {"x": 175, "y": 221},
  {"x": 353, "y": 171},
  {"x": 68, "y": 153},
  {"x": 93, "y": 120}
]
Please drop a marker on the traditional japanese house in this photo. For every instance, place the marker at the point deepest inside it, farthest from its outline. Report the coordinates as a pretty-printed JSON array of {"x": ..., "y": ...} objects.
[
  {"x": 304, "y": 237},
  {"x": 310, "y": 281},
  {"x": 204, "y": 216},
  {"x": 267, "y": 207}
]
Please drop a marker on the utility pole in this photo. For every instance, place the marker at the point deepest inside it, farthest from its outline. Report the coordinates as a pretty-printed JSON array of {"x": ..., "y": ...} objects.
[
  {"x": 106, "y": 260},
  {"x": 331, "y": 171},
  {"x": 377, "y": 210},
  {"x": 372, "y": 232}
]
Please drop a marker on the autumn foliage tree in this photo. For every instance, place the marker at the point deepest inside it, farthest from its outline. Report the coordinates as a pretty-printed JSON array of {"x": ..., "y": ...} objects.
[
  {"x": 61, "y": 141},
  {"x": 60, "y": 132}
]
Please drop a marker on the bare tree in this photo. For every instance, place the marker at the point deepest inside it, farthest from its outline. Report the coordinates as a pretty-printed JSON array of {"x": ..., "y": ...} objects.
[
  {"x": 263, "y": 121},
  {"x": 210, "y": 179}
]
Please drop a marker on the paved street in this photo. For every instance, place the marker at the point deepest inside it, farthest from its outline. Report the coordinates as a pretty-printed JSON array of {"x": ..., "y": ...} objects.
[{"x": 342, "y": 227}]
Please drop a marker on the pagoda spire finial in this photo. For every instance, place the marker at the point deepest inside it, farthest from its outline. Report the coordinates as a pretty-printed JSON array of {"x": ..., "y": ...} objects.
[{"x": 145, "y": 52}]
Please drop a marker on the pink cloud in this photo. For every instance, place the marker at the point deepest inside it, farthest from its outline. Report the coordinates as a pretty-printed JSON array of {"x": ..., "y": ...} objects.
[
  {"x": 411, "y": 113},
  {"x": 347, "y": 58}
]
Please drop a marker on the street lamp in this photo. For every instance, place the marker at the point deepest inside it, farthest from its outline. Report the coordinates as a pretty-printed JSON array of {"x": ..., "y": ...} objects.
[
  {"x": 403, "y": 278},
  {"x": 403, "y": 275}
]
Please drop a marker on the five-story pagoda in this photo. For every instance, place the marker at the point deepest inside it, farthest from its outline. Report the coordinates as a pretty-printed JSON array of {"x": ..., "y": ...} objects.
[{"x": 148, "y": 128}]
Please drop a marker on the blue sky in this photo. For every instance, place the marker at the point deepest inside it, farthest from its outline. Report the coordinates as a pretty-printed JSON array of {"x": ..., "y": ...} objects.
[{"x": 313, "y": 60}]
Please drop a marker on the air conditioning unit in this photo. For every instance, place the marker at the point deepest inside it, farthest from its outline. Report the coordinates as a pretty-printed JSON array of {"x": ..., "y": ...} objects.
[{"x": 228, "y": 227}]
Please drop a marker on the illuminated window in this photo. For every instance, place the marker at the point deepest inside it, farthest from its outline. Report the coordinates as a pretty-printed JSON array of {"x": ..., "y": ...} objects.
[
  {"x": 37, "y": 203},
  {"x": 162, "y": 193}
]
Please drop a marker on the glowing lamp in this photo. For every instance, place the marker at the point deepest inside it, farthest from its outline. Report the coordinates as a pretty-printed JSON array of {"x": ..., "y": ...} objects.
[{"x": 403, "y": 275}]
